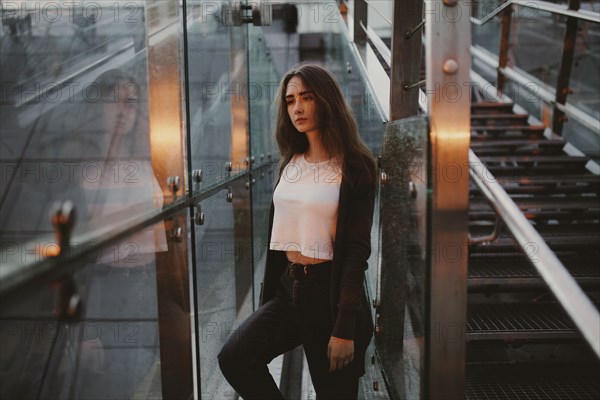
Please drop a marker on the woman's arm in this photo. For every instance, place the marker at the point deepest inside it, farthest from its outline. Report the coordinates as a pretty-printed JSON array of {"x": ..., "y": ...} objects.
[{"x": 358, "y": 250}]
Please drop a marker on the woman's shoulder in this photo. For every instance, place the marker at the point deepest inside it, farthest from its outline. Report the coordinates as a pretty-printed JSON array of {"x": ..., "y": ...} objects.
[{"x": 364, "y": 167}]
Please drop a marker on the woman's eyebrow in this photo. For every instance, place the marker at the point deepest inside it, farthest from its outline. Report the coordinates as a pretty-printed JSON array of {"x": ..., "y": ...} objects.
[{"x": 291, "y": 96}]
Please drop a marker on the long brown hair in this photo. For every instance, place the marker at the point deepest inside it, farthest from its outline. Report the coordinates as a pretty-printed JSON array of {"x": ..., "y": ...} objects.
[{"x": 337, "y": 126}]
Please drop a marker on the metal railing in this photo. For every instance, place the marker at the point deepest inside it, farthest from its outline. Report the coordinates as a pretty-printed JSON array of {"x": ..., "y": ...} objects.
[
  {"x": 557, "y": 98},
  {"x": 575, "y": 302}
]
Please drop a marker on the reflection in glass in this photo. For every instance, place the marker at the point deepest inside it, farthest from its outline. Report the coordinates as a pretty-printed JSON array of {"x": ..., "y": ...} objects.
[
  {"x": 110, "y": 352},
  {"x": 62, "y": 134}
]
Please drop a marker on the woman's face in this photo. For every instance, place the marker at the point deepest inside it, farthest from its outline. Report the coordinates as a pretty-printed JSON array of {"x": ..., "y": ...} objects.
[
  {"x": 121, "y": 109},
  {"x": 301, "y": 106}
]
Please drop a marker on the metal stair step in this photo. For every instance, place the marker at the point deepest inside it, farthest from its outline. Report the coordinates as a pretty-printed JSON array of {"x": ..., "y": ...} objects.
[
  {"x": 495, "y": 118},
  {"x": 542, "y": 184},
  {"x": 509, "y": 128},
  {"x": 493, "y": 147},
  {"x": 518, "y": 322},
  {"x": 563, "y": 236},
  {"x": 511, "y": 273},
  {"x": 491, "y": 107},
  {"x": 544, "y": 203},
  {"x": 555, "y": 381}
]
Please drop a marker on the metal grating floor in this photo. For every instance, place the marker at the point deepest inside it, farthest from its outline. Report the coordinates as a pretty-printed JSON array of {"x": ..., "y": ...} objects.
[
  {"x": 518, "y": 267},
  {"x": 517, "y": 322},
  {"x": 532, "y": 382}
]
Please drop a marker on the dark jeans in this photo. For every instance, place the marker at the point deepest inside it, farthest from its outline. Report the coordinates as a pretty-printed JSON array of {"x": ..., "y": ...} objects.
[{"x": 278, "y": 327}]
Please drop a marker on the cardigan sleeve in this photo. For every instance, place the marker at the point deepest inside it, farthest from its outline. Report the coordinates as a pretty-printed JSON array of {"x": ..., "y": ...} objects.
[{"x": 357, "y": 251}]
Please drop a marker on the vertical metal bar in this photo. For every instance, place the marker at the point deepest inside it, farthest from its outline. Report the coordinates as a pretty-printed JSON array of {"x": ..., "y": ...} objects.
[
  {"x": 196, "y": 377},
  {"x": 504, "y": 47},
  {"x": 448, "y": 61},
  {"x": 360, "y": 15},
  {"x": 562, "y": 85},
  {"x": 406, "y": 59},
  {"x": 167, "y": 140}
]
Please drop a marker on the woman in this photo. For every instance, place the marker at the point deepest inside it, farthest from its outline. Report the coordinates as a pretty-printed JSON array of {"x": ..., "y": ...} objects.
[{"x": 319, "y": 242}]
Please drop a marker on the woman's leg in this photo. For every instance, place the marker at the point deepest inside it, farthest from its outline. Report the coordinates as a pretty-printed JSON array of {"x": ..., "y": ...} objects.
[
  {"x": 341, "y": 384},
  {"x": 268, "y": 332}
]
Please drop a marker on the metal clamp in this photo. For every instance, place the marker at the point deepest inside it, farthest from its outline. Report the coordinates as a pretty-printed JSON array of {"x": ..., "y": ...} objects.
[
  {"x": 67, "y": 302},
  {"x": 197, "y": 176},
  {"x": 63, "y": 218},
  {"x": 408, "y": 34},
  {"x": 199, "y": 215},
  {"x": 487, "y": 238},
  {"x": 173, "y": 184},
  {"x": 408, "y": 87}
]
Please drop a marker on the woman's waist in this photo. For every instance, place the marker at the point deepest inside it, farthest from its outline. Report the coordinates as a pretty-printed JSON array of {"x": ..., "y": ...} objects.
[{"x": 297, "y": 257}]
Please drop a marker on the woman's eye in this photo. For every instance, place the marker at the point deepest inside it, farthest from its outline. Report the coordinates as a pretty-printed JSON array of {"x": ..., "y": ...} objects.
[{"x": 290, "y": 102}]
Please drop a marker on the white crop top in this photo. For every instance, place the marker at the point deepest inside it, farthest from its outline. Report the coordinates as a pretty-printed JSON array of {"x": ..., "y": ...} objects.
[{"x": 306, "y": 207}]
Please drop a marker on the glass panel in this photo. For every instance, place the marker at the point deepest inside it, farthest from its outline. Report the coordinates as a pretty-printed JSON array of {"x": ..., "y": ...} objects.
[
  {"x": 316, "y": 38},
  {"x": 584, "y": 82},
  {"x": 342, "y": 62},
  {"x": 224, "y": 281},
  {"x": 75, "y": 116},
  {"x": 488, "y": 34},
  {"x": 217, "y": 90},
  {"x": 527, "y": 96},
  {"x": 112, "y": 339},
  {"x": 379, "y": 18},
  {"x": 262, "y": 194},
  {"x": 538, "y": 55},
  {"x": 262, "y": 85},
  {"x": 583, "y": 138},
  {"x": 404, "y": 253}
]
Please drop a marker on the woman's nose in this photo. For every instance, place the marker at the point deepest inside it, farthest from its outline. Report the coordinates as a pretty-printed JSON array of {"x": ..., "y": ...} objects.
[{"x": 298, "y": 108}]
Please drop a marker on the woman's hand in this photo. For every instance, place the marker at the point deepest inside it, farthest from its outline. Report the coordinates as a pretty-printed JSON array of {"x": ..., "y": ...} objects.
[{"x": 340, "y": 353}]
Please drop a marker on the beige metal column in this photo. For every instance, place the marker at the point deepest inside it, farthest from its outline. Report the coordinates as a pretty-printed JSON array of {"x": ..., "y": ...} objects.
[
  {"x": 448, "y": 60},
  {"x": 167, "y": 140}
]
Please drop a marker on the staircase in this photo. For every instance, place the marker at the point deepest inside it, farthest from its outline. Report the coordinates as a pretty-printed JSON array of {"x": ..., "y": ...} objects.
[{"x": 520, "y": 342}]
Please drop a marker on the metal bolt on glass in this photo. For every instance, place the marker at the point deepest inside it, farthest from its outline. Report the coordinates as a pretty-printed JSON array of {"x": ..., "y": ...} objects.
[
  {"x": 383, "y": 177},
  {"x": 412, "y": 188},
  {"x": 62, "y": 218},
  {"x": 199, "y": 215},
  {"x": 173, "y": 183},
  {"x": 197, "y": 175}
]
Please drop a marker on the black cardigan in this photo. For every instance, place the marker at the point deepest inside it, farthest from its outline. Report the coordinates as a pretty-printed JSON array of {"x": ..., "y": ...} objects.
[{"x": 352, "y": 248}]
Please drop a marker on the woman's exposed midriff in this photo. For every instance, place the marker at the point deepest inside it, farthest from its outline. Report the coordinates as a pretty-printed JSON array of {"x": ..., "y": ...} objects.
[{"x": 296, "y": 256}]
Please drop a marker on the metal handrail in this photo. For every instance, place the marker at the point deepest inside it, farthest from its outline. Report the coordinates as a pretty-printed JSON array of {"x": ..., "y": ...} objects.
[
  {"x": 378, "y": 12},
  {"x": 14, "y": 273},
  {"x": 491, "y": 15},
  {"x": 378, "y": 43},
  {"x": 542, "y": 91},
  {"x": 542, "y": 6},
  {"x": 575, "y": 302}
]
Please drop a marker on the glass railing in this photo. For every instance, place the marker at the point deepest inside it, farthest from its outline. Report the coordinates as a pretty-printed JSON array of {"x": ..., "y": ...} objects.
[
  {"x": 95, "y": 302},
  {"x": 551, "y": 71},
  {"x": 154, "y": 120},
  {"x": 404, "y": 257}
]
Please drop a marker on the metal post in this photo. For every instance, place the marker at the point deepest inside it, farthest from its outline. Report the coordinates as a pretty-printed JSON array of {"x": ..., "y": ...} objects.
[
  {"x": 448, "y": 60},
  {"x": 360, "y": 15},
  {"x": 504, "y": 47},
  {"x": 406, "y": 59},
  {"x": 167, "y": 138},
  {"x": 562, "y": 85}
]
